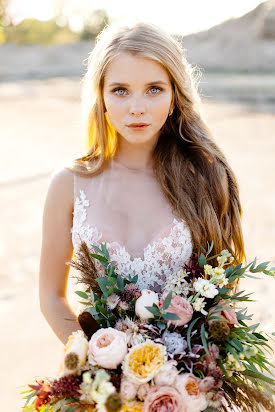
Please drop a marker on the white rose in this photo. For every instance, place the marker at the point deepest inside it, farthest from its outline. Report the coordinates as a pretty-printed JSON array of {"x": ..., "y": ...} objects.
[
  {"x": 167, "y": 375},
  {"x": 147, "y": 298}
]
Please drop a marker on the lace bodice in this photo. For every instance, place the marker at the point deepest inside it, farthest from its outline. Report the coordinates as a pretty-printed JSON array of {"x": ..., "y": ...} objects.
[{"x": 167, "y": 251}]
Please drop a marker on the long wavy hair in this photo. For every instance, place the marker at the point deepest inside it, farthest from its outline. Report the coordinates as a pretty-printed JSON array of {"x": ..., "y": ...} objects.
[{"x": 192, "y": 171}]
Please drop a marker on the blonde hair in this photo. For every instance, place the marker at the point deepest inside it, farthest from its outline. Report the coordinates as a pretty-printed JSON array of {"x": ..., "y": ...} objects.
[{"x": 192, "y": 171}]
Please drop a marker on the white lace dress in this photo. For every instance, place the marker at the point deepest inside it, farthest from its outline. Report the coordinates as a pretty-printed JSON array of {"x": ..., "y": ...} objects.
[{"x": 126, "y": 209}]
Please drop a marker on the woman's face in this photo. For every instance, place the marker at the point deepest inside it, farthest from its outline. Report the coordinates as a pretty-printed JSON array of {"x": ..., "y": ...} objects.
[{"x": 137, "y": 90}]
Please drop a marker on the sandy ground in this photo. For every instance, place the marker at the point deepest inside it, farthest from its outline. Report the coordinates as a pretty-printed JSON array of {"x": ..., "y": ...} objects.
[{"x": 40, "y": 130}]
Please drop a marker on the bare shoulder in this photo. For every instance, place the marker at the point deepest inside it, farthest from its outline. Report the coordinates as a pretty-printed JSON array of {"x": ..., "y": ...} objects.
[{"x": 61, "y": 188}]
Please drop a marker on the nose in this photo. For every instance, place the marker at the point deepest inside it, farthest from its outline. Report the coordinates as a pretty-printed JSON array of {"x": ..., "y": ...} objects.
[{"x": 137, "y": 107}]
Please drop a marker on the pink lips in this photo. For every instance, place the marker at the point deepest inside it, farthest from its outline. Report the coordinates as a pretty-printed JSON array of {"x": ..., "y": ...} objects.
[{"x": 138, "y": 126}]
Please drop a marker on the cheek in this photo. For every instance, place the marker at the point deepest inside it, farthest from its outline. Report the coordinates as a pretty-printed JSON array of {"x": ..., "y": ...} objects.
[
  {"x": 161, "y": 105},
  {"x": 114, "y": 107}
]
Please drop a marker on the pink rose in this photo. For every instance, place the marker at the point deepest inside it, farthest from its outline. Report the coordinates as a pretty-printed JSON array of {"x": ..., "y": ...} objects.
[
  {"x": 107, "y": 348},
  {"x": 164, "y": 399},
  {"x": 143, "y": 390},
  {"x": 180, "y": 307},
  {"x": 128, "y": 389},
  {"x": 193, "y": 397},
  {"x": 226, "y": 312}
]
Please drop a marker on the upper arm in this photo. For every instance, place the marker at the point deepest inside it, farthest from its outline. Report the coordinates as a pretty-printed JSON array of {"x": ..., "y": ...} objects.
[{"x": 57, "y": 245}]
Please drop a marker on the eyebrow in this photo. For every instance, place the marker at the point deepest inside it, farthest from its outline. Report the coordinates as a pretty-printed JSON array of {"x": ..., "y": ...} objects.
[{"x": 148, "y": 84}]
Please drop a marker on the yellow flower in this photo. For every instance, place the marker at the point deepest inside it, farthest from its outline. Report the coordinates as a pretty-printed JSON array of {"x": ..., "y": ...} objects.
[
  {"x": 134, "y": 406},
  {"x": 143, "y": 361}
]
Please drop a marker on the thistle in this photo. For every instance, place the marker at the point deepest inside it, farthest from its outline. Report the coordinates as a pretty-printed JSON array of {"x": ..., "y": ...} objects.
[
  {"x": 113, "y": 402},
  {"x": 219, "y": 330}
]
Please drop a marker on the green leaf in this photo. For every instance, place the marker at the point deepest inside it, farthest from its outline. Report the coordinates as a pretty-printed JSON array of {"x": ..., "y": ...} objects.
[
  {"x": 111, "y": 280},
  {"x": 61, "y": 403},
  {"x": 99, "y": 257},
  {"x": 260, "y": 336},
  {"x": 120, "y": 283},
  {"x": 82, "y": 294},
  {"x": 92, "y": 311},
  {"x": 216, "y": 318},
  {"x": 170, "y": 316},
  {"x": 259, "y": 376},
  {"x": 203, "y": 338},
  {"x": 102, "y": 284},
  {"x": 161, "y": 325},
  {"x": 237, "y": 345},
  {"x": 228, "y": 271},
  {"x": 202, "y": 260},
  {"x": 97, "y": 249},
  {"x": 188, "y": 336},
  {"x": 106, "y": 253},
  {"x": 154, "y": 310},
  {"x": 167, "y": 301}
]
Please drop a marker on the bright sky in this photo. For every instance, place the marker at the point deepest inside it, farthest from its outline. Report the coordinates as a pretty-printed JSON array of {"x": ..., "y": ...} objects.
[{"x": 176, "y": 16}]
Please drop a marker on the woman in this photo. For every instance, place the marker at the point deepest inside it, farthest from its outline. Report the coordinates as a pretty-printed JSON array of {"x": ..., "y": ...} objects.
[{"x": 153, "y": 184}]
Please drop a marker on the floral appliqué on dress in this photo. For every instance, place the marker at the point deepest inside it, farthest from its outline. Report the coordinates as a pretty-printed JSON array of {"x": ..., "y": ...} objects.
[{"x": 162, "y": 257}]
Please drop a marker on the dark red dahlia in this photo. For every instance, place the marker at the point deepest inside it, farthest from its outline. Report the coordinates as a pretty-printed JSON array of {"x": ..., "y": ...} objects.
[{"x": 193, "y": 269}]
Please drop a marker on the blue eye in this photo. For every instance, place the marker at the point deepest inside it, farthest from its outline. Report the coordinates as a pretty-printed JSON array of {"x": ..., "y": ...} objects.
[
  {"x": 117, "y": 89},
  {"x": 156, "y": 88}
]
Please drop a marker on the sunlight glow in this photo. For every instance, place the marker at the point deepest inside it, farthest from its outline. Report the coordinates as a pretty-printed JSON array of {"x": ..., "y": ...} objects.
[{"x": 177, "y": 16}]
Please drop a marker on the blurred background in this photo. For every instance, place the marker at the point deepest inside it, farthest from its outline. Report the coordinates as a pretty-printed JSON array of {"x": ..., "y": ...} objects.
[{"x": 43, "y": 52}]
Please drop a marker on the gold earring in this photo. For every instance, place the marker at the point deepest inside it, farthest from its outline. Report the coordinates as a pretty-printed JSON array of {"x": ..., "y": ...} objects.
[{"x": 171, "y": 111}]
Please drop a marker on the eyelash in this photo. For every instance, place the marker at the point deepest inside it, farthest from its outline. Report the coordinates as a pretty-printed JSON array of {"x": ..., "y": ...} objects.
[{"x": 122, "y": 88}]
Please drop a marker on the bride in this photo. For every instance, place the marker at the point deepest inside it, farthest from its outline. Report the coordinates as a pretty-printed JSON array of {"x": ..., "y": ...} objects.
[{"x": 153, "y": 183}]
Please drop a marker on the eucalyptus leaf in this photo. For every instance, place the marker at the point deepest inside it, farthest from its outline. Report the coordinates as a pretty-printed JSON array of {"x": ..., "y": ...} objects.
[
  {"x": 154, "y": 310},
  {"x": 202, "y": 260},
  {"x": 161, "y": 325},
  {"x": 203, "y": 338},
  {"x": 170, "y": 316},
  {"x": 82, "y": 294},
  {"x": 99, "y": 257},
  {"x": 167, "y": 301},
  {"x": 188, "y": 336},
  {"x": 120, "y": 283}
]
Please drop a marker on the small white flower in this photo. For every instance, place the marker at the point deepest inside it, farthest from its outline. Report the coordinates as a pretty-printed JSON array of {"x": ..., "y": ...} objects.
[
  {"x": 208, "y": 269},
  {"x": 198, "y": 305},
  {"x": 205, "y": 288},
  {"x": 223, "y": 282},
  {"x": 219, "y": 278},
  {"x": 177, "y": 283},
  {"x": 218, "y": 271}
]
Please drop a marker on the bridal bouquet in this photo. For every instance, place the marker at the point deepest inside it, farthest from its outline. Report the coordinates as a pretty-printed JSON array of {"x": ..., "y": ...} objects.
[{"x": 188, "y": 350}]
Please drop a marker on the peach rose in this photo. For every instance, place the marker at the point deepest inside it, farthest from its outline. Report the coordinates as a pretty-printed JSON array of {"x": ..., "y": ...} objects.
[
  {"x": 180, "y": 307},
  {"x": 164, "y": 399},
  {"x": 128, "y": 389},
  {"x": 189, "y": 386},
  {"x": 107, "y": 348},
  {"x": 143, "y": 390},
  {"x": 226, "y": 312}
]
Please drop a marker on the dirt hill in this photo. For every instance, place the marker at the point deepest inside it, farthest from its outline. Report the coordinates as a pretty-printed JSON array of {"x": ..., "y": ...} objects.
[{"x": 246, "y": 43}]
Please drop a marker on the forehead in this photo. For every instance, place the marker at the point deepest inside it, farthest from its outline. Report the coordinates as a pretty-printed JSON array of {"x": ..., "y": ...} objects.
[{"x": 127, "y": 68}]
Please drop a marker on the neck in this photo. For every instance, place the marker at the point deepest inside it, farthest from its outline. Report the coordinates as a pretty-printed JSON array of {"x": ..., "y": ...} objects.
[{"x": 135, "y": 156}]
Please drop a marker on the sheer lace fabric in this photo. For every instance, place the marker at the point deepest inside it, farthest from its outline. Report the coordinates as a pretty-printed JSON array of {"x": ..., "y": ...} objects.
[{"x": 126, "y": 209}]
